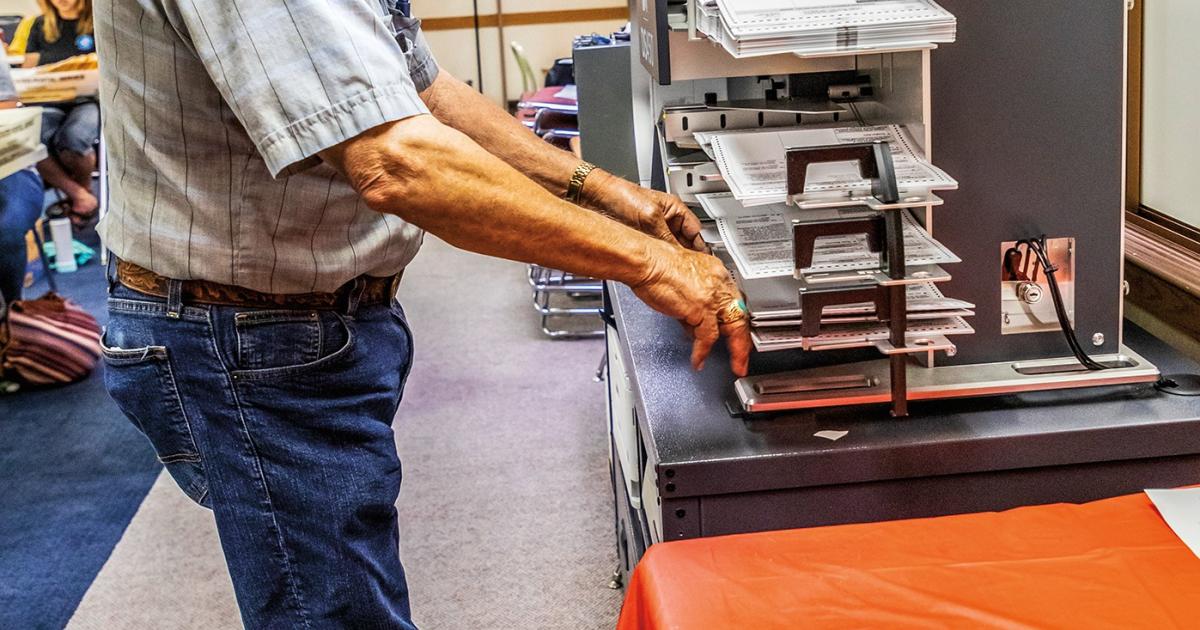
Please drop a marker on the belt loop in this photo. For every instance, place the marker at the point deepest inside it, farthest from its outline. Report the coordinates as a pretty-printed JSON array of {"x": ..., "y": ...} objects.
[
  {"x": 174, "y": 299},
  {"x": 354, "y": 296},
  {"x": 110, "y": 272}
]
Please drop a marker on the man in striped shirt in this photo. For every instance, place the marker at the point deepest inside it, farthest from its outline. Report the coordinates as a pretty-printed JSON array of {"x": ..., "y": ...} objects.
[{"x": 274, "y": 166}]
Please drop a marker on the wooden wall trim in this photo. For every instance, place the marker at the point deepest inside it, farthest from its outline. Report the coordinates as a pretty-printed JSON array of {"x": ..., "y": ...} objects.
[
  {"x": 493, "y": 20},
  {"x": 1161, "y": 257},
  {"x": 1133, "y": 132},
  {"x": 1163, "y": 300}
]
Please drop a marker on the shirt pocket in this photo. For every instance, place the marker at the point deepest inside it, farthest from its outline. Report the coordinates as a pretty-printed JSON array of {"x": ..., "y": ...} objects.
[{"x": 143, "y": 385}]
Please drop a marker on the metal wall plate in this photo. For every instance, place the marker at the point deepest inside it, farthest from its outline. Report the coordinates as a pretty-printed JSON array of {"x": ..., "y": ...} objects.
[{"x": 1026, "y": 306}]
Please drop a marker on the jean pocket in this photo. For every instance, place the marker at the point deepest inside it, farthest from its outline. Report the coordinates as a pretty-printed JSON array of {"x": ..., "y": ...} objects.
[
  {"x": 276, "y": 339},
  {"x": 279, "y": 343},
  {"x": 142, "y": 383}
]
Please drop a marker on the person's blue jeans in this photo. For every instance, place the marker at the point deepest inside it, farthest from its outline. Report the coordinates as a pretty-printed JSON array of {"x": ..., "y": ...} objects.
[
  {"x": 280, "y": 422},
  {"x": 21, "y": 198},
  {"x": 71, "y": 127}
]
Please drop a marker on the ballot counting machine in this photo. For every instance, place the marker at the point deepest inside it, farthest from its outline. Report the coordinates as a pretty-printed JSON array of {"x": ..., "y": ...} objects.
[
  {"x": 1026, "y": 112},
  {"x": 1037, "y": 148}
]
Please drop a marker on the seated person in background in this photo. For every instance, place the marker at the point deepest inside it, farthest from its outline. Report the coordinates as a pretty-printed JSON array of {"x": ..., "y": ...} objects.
[
  {"x": 20, "y": 207},
  {"x": 69, "y": 130}
]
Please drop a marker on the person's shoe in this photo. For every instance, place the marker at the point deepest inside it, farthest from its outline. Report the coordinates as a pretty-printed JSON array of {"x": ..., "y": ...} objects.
[{"x": 83, "y": 209}]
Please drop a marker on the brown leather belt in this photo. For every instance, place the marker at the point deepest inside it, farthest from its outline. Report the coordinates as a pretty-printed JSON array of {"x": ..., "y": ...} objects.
[{"x": 375, "y": 291}]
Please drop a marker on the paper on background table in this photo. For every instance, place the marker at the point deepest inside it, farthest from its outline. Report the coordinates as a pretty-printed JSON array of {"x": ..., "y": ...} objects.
[
  {"x": 1181, "y": 510},
  {"x": 20, "y": 139},
  {"x": 569, "y": 92},
  {"x": 754, "y": 163},
  {"x": 759, "y": 239}
]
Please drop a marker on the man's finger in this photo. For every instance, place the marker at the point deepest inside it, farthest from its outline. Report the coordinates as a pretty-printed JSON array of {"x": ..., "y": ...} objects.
[
  {"x": 707, "y": 334},
  {"x": 689, "y": 225},
  {"x": 737, "y": 339},
  {"x": 674, "y": 224}
]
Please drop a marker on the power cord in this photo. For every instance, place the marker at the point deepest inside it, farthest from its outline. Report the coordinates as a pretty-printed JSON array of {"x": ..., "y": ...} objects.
[{"x": 1037, "y": 246}]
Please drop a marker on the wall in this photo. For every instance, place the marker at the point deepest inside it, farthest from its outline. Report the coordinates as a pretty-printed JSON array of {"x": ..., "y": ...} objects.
[
  {"x": 18, "y": 7},
  {"x": 543, "y": 43},
  {"x": 1171, "y": 133}
]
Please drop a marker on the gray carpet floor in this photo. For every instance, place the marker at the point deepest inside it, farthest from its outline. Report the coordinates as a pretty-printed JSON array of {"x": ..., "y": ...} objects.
[{"x": 505, "y": 511}]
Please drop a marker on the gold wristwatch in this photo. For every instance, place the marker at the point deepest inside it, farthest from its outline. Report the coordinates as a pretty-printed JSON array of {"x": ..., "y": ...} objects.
[{"x": 575, "y": 187}]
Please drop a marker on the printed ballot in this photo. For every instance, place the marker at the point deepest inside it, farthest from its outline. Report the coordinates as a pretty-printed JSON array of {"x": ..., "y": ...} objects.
[
  {"x": 774, "y": 303},
  {"x": 751, "y": 28},
  {"x": 754, "y": 163},
  {"x": 844, "y": 334},
  {"x": 759, "y": 239}
]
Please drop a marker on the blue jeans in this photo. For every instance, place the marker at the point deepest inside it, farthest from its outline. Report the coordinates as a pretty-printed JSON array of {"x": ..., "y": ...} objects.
[
  {"x": 21, "y": 198},
  {"x": 280, "y": 422},
  {"x": 73, "y": 127}
]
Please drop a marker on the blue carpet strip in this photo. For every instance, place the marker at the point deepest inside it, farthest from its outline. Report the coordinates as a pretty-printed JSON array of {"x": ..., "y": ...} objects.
[{"x": 73, "y": 472}]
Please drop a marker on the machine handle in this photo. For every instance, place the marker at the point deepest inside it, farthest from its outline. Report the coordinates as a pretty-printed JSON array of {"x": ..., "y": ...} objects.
[
  {"x": 874, "y": 161},
  {"x": 805, "y": 235}
]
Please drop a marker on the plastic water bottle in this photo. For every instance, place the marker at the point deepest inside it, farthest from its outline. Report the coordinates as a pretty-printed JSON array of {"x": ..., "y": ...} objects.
[{"x": 64, "y": 243}]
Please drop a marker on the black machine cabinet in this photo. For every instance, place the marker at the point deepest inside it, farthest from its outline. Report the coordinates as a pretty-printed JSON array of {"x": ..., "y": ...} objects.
[{"x": 1028, "y": 114}]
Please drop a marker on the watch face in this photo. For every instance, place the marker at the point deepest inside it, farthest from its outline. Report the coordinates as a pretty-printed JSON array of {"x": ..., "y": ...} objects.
[{"x": 85, "y": 43}]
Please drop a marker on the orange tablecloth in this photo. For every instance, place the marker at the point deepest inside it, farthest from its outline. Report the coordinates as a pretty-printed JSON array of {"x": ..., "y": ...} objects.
[{"x": 1109, "y": 564}]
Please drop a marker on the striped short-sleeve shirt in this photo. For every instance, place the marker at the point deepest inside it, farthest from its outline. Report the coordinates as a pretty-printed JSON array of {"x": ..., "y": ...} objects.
[{"x": 214, "y": 112}]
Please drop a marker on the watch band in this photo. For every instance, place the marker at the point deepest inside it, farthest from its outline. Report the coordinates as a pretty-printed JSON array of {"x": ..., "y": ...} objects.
[{"x": 575, "y": 187}]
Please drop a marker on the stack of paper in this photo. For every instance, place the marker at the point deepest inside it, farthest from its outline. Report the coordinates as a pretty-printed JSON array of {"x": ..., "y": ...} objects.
[
  {"x": 774, "y": 302},
  {"x": 759, "y": 249},
  {"x": 751, "y": 28},
  {"x": 845, "y": 335},
  {"x": 754, "y": 163},
  {"x": 20, "y": 139},
  {"x": 760, "y": 240}
]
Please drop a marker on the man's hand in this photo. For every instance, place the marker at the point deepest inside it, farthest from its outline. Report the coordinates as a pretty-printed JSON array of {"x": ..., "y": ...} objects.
[
  {"x": 653, "y": 213},
  {"x": 697, "y": 290}
]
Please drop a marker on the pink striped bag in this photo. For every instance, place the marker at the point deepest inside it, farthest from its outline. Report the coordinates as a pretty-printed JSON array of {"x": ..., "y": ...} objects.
[{"x": 48, "y": 341}]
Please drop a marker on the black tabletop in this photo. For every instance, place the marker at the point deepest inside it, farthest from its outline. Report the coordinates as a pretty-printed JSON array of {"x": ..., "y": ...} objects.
[{"x": 686, "y": 423}]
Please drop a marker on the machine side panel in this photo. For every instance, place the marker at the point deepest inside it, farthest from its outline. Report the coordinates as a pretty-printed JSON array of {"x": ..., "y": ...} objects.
[{"x": 1028, "y": 115}]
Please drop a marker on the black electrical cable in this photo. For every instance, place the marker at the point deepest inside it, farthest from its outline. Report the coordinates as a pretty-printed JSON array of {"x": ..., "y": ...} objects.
[{"x": 1037, "y": 246}]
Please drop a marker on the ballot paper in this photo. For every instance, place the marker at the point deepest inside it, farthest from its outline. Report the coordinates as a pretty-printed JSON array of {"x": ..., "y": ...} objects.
[
  {"x": 750, "y": 28},
  {"x": 754, "y": 163},
  {"x": 775, "y": 302},
  {"x": 1181, "y": 510},
  {"x": 759, "y": 239},
  {"x": 775, "y": 339}
]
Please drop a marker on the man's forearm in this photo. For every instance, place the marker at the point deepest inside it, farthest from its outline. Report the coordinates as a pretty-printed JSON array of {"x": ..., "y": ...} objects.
[
  {"x": 459, "y": 106},
  {"x": 439, "y": 180},
  {"x": 662, "y": 216}
]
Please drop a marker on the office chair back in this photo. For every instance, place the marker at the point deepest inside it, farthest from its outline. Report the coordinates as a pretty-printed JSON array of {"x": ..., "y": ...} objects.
[
  {"x": 8, "y": 27},
  {"x": 528, "y": 79}
]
